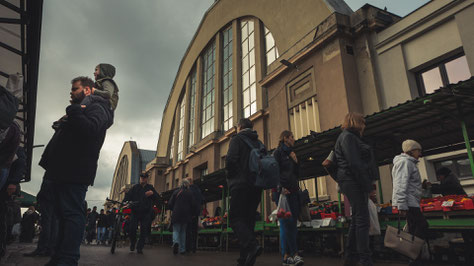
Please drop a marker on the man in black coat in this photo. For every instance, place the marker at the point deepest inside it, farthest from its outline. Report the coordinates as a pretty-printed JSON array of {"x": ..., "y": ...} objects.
[
  {"x": 449, "y": 183},
  {"x": 70, "y": 160},
  {"x": 91, "y": 221},
  {"x": 245, "y": 197},
  {"x": 145, "y": 194}
]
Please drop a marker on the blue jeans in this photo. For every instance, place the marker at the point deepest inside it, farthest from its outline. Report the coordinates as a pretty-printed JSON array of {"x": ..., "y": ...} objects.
[
  {"x": 288, "y": 234},
  {"x": 69, "y": 207},
  {"x": 3, "y": 176},
  {"x": 49, "y": 221},
  {"x": 100, "y": 234},
  {"x": 179, "y": 236}
]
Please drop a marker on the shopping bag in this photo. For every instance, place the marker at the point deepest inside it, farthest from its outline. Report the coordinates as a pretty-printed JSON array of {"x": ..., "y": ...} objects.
[
  {"x": 305, "y": 215},
  {"x": 284, "y": 211},
  {"x": 374, "y": 229},
  {"x": 403, "y": 242},
  {"x": 303, "y": 196},
  {"x": 16, "y": 229}
]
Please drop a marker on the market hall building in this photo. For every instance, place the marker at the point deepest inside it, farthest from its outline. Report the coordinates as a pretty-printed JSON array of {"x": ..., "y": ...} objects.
[{"x": 302, "y": 65}]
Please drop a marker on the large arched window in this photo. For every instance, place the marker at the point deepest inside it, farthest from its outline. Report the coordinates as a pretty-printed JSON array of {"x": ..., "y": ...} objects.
[
  {"x": 192, "y": 106},
  {"x": 172, "y": 147},
  {"x": 122, "y": 176},
  {"x": 209, "y": 57},
  {"x": 271, "y": 50},
  {"x": 181, "y": 128},
  {"x": 249, "y": 86},
  {"x": 227, "y": 78}
]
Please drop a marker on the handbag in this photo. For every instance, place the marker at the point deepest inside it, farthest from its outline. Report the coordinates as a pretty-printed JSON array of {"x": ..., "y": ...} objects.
[
  {"x": 303, "y": 196},
  {"x": 305, "y": 215},
  {"x": 403, "y": 242}
]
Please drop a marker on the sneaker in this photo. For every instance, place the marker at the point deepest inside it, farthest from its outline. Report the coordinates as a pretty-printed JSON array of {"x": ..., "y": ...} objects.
[
  {"x": 288, "y": 262},
  {"x": 298, "y": 260},
  {"x": 175, "y": 248},
  {"x": 132, "y": 247}
]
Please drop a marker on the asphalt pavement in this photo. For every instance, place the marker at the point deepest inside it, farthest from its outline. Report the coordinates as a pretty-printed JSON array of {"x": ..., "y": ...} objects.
[{"x": 156, "y": 255}]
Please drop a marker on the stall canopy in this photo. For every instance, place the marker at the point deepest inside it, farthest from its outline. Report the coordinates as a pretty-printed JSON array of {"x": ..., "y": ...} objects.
[
  {"x": 440, "y": 122},
  {"x": 212, "y": 186}
]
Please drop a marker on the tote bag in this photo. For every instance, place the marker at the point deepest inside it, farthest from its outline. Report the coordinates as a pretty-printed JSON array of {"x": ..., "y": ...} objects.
[{"x": 403, "y": 242}]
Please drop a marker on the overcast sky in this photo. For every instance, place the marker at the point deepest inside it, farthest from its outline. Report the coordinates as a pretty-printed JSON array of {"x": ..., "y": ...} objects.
[{"x": 145, "y": 40}]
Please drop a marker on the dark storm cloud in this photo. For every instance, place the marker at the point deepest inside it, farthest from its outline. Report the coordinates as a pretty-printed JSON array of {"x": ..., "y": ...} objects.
[{"x": 145, "y": 40}]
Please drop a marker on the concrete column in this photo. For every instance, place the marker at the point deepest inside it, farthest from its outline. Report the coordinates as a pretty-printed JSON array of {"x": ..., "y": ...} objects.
[
  {"x": 197, "y": 131},
  {"x": 236, "y": 72},
  {"x": 260, "y": 64},
  {"x": 218, "y": 113}
]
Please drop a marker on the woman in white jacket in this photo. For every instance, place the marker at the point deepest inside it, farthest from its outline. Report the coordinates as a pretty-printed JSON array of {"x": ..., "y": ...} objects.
[{"x": 407, "y": 189}]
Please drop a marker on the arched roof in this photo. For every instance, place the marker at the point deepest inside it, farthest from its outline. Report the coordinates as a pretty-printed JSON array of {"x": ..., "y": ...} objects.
[{"x": 288, "y": 20}]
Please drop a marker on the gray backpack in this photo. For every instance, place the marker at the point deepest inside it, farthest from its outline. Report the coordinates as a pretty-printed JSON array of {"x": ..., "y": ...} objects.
[{"x": 263, "y": 166}]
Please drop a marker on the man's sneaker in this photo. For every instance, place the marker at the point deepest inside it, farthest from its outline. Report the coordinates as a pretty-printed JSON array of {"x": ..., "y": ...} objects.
[
  {"x": 132, "y": 247},
  {"x": 298, "y": 260},
  {"x": 288, "y": 262},
  {"x": 175, "y": 248}
]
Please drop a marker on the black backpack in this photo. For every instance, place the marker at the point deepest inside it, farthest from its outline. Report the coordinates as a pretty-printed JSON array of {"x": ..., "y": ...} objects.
[{"x": 8, "y": 108}]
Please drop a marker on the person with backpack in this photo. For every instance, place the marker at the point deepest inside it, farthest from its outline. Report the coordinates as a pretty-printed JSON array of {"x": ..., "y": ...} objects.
[
  {"x": 289, "y": 173},
  {"x": 183, "y": 205},
  {"x": 245, "y": 196},
  {"x": 356, "y": 174}
]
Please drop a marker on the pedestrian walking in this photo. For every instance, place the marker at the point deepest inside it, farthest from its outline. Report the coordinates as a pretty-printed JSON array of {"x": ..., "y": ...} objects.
[
  {"x": 110, "y": 224},
  {"x": 91, "y": 225},
  {"x": 145, "y": 195},
  {"x": 289, "y": 173},
  {"x": 48, "y": 222},
  {"x": 183, "y": 205},
  {"x": 192, "y": 228},
  {"x": 101, "y": 227},
  {"x": 28, "y": 222},
  {"x": 407, "y": 190},
  {"x": 245, "y": 196},
  {"x": 356, "y": 174},
  {"x": 70, "y": 160}
]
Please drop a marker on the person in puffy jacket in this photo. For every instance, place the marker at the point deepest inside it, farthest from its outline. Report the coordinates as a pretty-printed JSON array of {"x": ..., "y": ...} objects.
[
  {"x": 356, "y": 173},
  {"x": 289, "y": 173},
  {"x": 407, "y": 189}
]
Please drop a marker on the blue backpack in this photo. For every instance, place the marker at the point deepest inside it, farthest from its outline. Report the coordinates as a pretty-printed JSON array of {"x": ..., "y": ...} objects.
[{"x": 263, "y": 166}]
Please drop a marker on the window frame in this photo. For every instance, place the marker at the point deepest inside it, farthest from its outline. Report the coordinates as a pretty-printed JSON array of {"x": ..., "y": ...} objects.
[
  {"x": 441, "y": 65},
  {"x": 229, "y": 73},
  {"x": 211, "y": 93}
]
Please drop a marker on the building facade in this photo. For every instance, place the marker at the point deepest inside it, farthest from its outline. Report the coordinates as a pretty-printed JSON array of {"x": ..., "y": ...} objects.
[
  {"x": 335, "y": 60},
  {"x": 130, "y": 164}
]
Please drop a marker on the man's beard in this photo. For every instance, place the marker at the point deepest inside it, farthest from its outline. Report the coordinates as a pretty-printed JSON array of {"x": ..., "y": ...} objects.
[{"x": 78, "y": 99}]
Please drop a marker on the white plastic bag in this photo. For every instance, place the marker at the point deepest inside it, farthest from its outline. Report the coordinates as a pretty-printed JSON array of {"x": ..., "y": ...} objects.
[
  {"x": 374, "y": 229},
  {"x": 284, "y": 211}
]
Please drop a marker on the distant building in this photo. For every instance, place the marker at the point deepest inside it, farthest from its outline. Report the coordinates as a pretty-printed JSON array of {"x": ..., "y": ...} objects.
[{"x": 131, "y": 162}]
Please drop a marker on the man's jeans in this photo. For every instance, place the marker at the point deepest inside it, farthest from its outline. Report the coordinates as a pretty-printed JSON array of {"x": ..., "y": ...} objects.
[
  {"x": 358, "y": 236},
  {"x": 69, "y": 207},
  {"x": 101, "y": 234},
  {"x": 179, "y": 236},
  {"x": 145, "y": 224},
  {"x": 242, "y": 213},
  {"x": 49, "y": 221},
  {"x": 191, "y": 234},
  {"x": 288, "y": 234}
]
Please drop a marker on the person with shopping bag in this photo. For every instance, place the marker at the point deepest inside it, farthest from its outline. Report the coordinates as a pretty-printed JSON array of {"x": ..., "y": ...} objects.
[
  {"x": 288, "y": 203},
  {"x": 407, "y": 192}
]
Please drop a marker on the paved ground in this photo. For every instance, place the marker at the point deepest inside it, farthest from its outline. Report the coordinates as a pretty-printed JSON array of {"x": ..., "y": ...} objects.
[{"x": 156, "y": 255}]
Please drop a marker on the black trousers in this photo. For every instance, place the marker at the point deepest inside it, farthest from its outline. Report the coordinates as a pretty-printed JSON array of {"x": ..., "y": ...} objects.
[
  {"x": 242, "y": 214},
  {"x": 191, "y": 234},
  {"x": 144, "y": 219},
  {"x": 358, "y": 244},
  {"x": 417, "y": 224}
]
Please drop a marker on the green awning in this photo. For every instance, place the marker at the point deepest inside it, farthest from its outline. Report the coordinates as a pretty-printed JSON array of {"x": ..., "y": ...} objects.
[{"x": 26, "y": 200}]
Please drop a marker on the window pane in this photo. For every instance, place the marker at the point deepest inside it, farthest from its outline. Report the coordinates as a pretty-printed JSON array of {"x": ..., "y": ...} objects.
[
  {"x": 253, "y": 108},
  {"x": 432, "y": 80},
  {"x": 252, "y": 75},
  {"x": 250, "y": 23},
  {"x": 245, "y": 80},
  {"x": 253, "y": 92},
  {"x": 244, "y": 31},
  {"x": 245, "y": 47},
  {"x": 270, "y": 57},
  {"x": 464, "y": 168},
  {"x": 252, "y": 57},
  {"x": 251, "y": 41},
  {"x": 458, "y": 70},
  {"x": 246, "y": 97},
  {"x": 270, "y": 42},
  {"x": 245, "y": 64}
]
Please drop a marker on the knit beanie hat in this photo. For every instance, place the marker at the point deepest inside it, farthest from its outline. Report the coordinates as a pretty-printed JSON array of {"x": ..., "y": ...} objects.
[{"x": 410, "y": 145}]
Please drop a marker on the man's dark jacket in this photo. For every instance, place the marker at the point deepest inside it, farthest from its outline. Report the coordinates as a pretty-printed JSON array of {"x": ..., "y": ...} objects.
[
  {"x": 355, "y": 160},
  {"x": 237, "y": 160},
  {"x": 92, "y": 219},
  {"x": 198, "y": 198},
  {"x": 72, "y": 153},
  {"x": 289, "y": 169},
  {"x": 102, "y": 220},
  {"x": 182, "y": 203},
  {"x": 449, "y": 186},
  {"x": 145, "y": 204}
]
